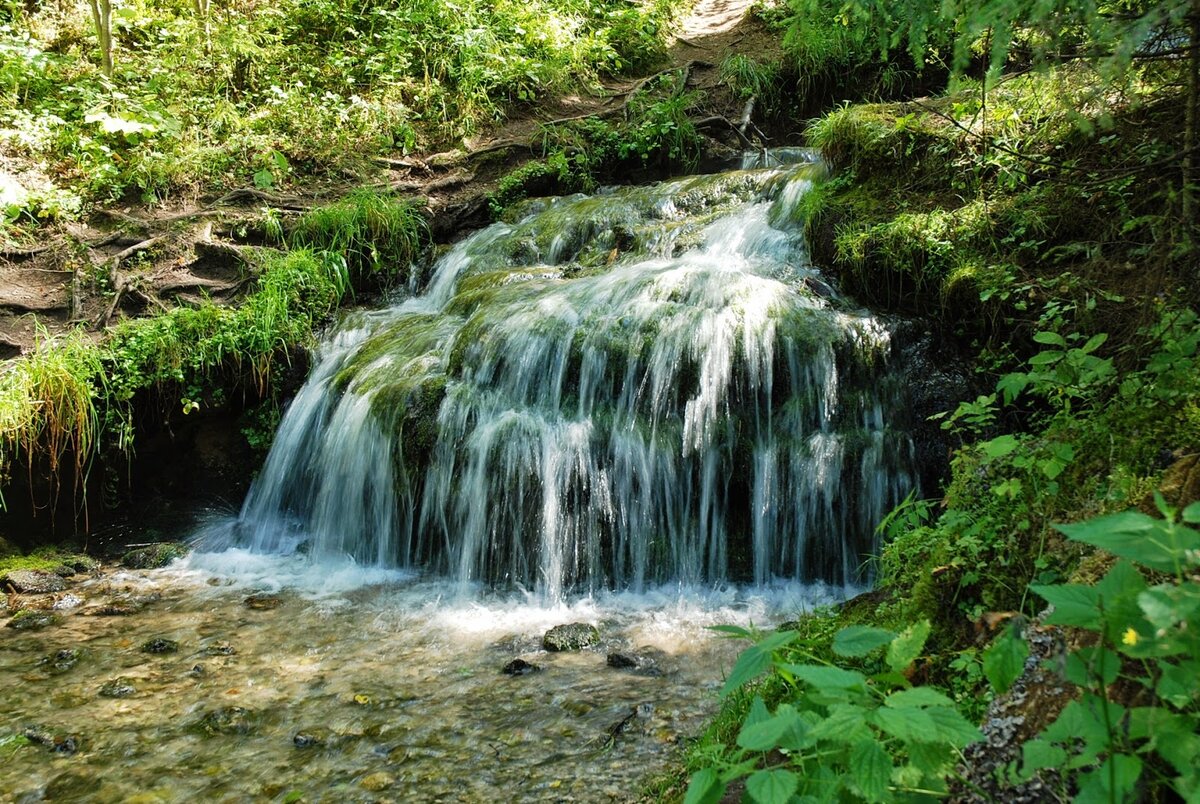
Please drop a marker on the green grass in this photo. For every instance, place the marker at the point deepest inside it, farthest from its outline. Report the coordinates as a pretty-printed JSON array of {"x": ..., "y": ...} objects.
[
  {"x": 72, "y": 395},
  {"x": 376, "y": 234}
]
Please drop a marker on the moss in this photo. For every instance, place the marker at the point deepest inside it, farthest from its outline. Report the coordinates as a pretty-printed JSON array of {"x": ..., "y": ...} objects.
[
  {"x": 33, "y": 620},
  {"x": 48, "y": 559},
  {"x": 154, "y": 556}
]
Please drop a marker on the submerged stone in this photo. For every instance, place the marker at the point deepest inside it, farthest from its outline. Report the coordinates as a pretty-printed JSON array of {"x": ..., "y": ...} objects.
[
  {"x": 122, "y": 605},
  {"x": 33, "y": 620},
  {"x": 570, "y": 637},
  {"x": 377, "y": 782},
  {"x": 317, "y": 737},
  {"x": 519, "y": 667},
  {"x": 117, "y": 688},
  {"x": 263, "y": 601},
  {"x": 61, "y": 661},
  {"x": 219, "y": 649},
  {"x": 58, "y": 742},
  {"x": 160, "y": 645},
  {"x": 34, "y": 582},
  {"x": 228, "y": 720}
]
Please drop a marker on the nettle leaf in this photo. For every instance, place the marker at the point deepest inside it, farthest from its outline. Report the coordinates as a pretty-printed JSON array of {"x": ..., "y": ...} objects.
[
  {"x": 1074, "y": 604},
  {"x": 1143, "y": 539},
  {"x": 772, "y": 786},
  {"x": 1191, "y": 513},
  {"x": 1177, "y": 684},
  {"x": 1038, "y": 755},
  {"x": 871, "y": 768},
  {"x": 705, "y": 787},
  {"x": 1114, "y": 780},
  {"x": 763, "y": 735},
  {"x": 905, "y": 648},
  {"x": 756, "y": 660},
  {"x": 909, "y": 725},
  {"x": 859, "y": 640},
  {"x": 827, "y": 678},
  {"x": 1050, "y": 339},
  {"x": 932, "y": 759},
  {"x": 1088, "y": 665},
  {"x": 843, "y": 724},
  {"x": 1004, "y": 660},
  {"x": 951, "y": 727},
  {"x": 917, "y": 697},
  {"x": 999, "y": 447}
]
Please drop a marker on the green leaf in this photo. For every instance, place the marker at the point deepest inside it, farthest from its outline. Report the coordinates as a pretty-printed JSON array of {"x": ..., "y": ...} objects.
[
  {"x": 1045, "y": 358},
  {"x": 917, "y": 697},
  {"x": 1192, "y": 513},
  {"x": 763, "y": 735},
  {"x": 772, "y": 786},
  {"x": 1148, "y": 541},
  {"x": 871, "y": 769},
  {"x": 1050, "y": 339},
  {"x": 1074, "y": 604},
  {"x": 905, "y": 648},
  {"x": 999, "y": 447},
  {"x": 910, "y": 725},
  {"x": 1094, "y": 343},
  {"x": 951, "y": 727},
  {"x": 859, "y": 640},
  {"x": 732, "y": 631},
  {"x": 1004, "y": 660},
  {"x": 705, "y": 787},
  {"x": 1114, "y": 780},
  {"x": 827, "y": 678},
  {"x": 756, "y": 660},
  {"x": 1037, "y": 755},
  {"x": 844, "y": 724}
]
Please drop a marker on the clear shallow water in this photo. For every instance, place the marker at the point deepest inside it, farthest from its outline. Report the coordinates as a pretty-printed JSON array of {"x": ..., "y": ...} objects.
[{"x": 399, "y": 676}]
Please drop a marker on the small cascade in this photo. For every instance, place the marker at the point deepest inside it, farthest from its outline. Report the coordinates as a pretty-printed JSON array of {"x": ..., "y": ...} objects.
[{"x": 642, "y": 386}]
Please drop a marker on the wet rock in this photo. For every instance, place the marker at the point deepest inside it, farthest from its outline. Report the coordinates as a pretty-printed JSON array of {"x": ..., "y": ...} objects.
[
  {"x": 153, "y": 556},
  {"x": 219, "y": 649},
  {"x": 263, "y": 601},
  {"x": 160, "y": 645},
  {"x": 227, "y": 720},
  {"x": 35, "y": 582},
  {"x": 519, "y": 667},
  {"x": 641, "y": 664},
  {"x": 33, "y": 620},
  {"x": 117, "y": 688},
  {"x": 82, "y": 564},
  {"x": 573, "y": 636},
  {"x": 70, "y": 786},
  {"x": 317, "y": 737},
  {"x": 197, "y": 671},
  {"x": 377, "y": 782},
  {"x": 61, "y": 661},
  {"x": 122, "y": 605},
  {"x": 67, "y": 602},
  {"x": 63, "y": 570},
  {"x": 57, "y": 742}
]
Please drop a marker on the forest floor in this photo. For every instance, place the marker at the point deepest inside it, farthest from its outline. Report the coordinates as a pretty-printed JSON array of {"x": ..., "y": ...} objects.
[{"x": 128, "y": 260}]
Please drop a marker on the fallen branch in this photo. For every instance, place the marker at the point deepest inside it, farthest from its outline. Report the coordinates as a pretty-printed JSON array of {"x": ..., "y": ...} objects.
[
  {"x": 22, "y": 253},
  {"x": 254, "y": 194}
]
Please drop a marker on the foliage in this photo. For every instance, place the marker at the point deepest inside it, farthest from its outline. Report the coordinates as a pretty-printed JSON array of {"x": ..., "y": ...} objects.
[
  {"x": 1147, "y": 637},
  {"x": 72, "y": 396},
  {"x": 837, "y": 730},
  {"x": 374, "y": 233},
  {"x": 259, "y": 94}
]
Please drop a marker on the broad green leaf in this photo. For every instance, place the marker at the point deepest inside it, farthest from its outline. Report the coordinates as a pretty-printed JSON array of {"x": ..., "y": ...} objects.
[
  {"x": 1148, "y": 541},
  {"x": 825, "y": 678},
  {"x": 1050, "y": 339},
  {"x": 705, "y": 787},
  {"x": 1004, "y": 660},
  {"x": 763, "y": 735},
  {"x": 1045, "y": 358},
  {"x": 910, "y": 725},
  {"x": 1114, "y": 780},
  {"x": 844, "y": 724},
  {"x": 1037, "y": 755},
  {"x": 756, "y": 660},
  {"x": 859, "y": 640},
  {"x": 999, "y": 447},
  {"x": 1074, "y": 604},
  {"x": 1178, "y": 683},
  {"x": 932, "y": 758},
  {"x": 951, "y": 727},
  {"x": 1094, "y": 343},
  {"x": 772, "y": 786},
  {"x": 917, "y": 697},
  {"x": 1192, "y": 513},
  {"x": 871, "y": 768},
  {"x": 905, "y": 648}
]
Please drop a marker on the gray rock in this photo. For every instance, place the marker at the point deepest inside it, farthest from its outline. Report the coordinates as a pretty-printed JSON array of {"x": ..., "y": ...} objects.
[
  {"x": 56, "y": 742},
  {"x": 35, "y": 582},
  {"x": 569, "y": 637},
  {"x": 61, "y": 661},
  {"x": 317, "y": 737}
]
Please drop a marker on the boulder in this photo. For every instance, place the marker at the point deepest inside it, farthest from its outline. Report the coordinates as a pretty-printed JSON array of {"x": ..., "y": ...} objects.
[
  {"x": 61, "y": 661},
  {"x": 33, "y": 620},
  {"x": 160, "y": 645},
  {"x": 153, "y": 556},
  {"x": 570, "y": 637},
  {"x": 35, "y": 582},
  {"x": 519, "y": 667}
]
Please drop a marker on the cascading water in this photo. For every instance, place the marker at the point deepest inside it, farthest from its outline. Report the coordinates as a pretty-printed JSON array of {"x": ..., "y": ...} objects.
[{"x": 646, "y": 385}]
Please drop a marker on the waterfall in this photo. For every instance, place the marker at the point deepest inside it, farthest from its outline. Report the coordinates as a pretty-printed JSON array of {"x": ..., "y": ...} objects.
[{"x": 646, "y": 385}]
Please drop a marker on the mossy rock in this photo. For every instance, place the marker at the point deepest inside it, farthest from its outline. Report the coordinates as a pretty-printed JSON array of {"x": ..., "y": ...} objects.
[
  {"x": 35, "y": 581},
  {"x": 33, "y": 620},
  {"x": 570, "y": 637},
  {"x": 154, "y": 556},
  {"x": 227, "y": 720}
]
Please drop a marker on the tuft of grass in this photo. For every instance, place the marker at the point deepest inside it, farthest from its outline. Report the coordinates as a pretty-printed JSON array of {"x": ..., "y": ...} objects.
[
  {"x": 375, "y": 233},
  {"x": 749, "y": 78}
]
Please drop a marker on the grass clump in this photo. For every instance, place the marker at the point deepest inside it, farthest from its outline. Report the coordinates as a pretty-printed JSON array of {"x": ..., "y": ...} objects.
[
  {"x": 376, "y": 234},
  {"x": 72, "y": 396}
]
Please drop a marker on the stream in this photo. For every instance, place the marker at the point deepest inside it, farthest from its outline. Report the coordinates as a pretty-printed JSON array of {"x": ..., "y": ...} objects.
[{"x": 644, "y": 410}]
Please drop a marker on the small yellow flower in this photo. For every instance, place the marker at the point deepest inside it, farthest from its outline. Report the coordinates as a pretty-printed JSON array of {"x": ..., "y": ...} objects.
[{"x": 1130, "y": 637}]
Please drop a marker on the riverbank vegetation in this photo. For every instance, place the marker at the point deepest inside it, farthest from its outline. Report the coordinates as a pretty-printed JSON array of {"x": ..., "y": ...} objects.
[{"x": 1041, "y": 210}]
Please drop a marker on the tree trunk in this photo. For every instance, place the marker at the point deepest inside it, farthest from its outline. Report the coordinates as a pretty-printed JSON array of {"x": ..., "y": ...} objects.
[
  {"x": 1191, "y": 176},
  {"x": 102, "y": 17}
]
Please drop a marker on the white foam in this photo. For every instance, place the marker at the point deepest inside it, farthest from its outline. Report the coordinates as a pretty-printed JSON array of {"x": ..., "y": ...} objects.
[{"x": 243, "y": 569}]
